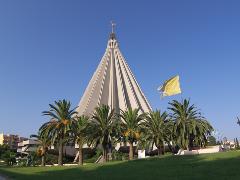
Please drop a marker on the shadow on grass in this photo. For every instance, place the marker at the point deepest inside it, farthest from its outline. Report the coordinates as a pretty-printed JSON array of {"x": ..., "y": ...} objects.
[{"x": 212, "y": 166}]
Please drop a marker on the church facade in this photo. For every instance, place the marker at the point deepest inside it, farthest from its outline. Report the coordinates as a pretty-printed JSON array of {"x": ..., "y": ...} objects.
[{"x": 113, "y": 84}]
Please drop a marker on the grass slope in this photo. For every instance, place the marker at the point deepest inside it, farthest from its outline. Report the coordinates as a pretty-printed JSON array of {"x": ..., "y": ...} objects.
[{"x": 210, "y": 166}]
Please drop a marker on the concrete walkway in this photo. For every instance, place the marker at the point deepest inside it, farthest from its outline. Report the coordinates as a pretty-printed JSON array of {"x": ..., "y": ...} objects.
[{"x": 2, "y": 177}]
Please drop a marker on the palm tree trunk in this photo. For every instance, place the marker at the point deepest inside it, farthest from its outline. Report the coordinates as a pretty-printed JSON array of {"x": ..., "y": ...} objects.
[
  {"x": 130, "y": 151},
  {"x": 43, "y": 160},
  {"x": 60, "y": 153},
  {"x": 163, "y": 149},
  {"x": 104, "y": 154},
  {"x": 159, "y": 150},
  {"x": 170, "y": 147},
  {"x": 80, "y": 151}
]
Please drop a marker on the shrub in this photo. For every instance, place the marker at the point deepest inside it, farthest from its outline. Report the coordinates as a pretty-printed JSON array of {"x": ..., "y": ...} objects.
[
  {"x": 119, "y": 156},
  {"x": 9, "y": 157}
]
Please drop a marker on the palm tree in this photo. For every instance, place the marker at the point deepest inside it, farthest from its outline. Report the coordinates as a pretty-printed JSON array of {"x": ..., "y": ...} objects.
[
  {"x": 131, "y": 127},
  {"x": 170, "y": 136},
  {"x": 79, "y": 131},
  {"x": 157, "y": 128},
  {"x": 102, "y": 128},
  {"x": 43, "y": 144},
  {"x": 184, "y": 116},
  {"x": 202, "y": 130},
  {"x": 189, "y": 125},
  {"x": 58, "y": 127}
]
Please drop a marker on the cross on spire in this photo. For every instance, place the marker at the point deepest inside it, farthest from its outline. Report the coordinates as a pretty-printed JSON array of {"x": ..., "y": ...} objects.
[{"x": 113, "y": 26}]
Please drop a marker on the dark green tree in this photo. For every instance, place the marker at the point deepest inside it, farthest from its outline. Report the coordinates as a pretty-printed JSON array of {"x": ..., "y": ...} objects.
[
  {"x": 3, "y": 149},
  {"x": 157, "y": 129},
  {"x": 80, "y": 134},
  {"x": 189, "y": 126},
  {"x": 102, "y": 128},
  {"x": 44, "y": 142},
  {"x": 131, "y": 126},
  {"x": 237, "y": 143},
  {"x": 59, "y": 126},
  {"x": 212, "y": 141}
]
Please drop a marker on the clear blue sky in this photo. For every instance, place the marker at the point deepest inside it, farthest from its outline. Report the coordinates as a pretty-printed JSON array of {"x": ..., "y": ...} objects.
[{"x": 50, "y": 49}]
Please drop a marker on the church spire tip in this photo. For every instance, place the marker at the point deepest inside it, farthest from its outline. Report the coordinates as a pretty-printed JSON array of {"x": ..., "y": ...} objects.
[
  {"x": 112, "y": 35},
  {"x": 113, "y": 26}
]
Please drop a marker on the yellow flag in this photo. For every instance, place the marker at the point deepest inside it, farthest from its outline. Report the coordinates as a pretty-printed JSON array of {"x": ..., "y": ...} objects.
[{"x": 171, "y": 87}]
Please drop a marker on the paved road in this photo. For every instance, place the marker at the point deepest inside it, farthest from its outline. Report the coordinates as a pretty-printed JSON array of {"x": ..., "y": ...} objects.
[{"x": 2, "y": 178}]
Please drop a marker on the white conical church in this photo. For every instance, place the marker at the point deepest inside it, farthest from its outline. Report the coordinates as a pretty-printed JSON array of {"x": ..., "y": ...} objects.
[{"x": 113, "y": 84}]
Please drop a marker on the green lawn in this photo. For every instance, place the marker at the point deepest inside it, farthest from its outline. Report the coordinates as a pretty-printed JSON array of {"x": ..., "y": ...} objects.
[{"x": 210, "y": 166}]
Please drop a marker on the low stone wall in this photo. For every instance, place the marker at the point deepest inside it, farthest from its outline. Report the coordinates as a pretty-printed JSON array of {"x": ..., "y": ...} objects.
[{"x": 213, "y": 149}]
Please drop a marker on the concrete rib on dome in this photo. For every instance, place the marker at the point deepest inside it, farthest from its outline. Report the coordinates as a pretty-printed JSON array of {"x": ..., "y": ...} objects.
[{"x": 113, "y": 84}]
